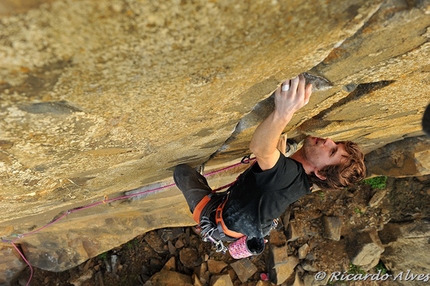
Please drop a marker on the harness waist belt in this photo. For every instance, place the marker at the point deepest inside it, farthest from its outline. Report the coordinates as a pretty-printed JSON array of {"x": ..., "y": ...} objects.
[
  {"x": 218, "y": 216},
  {"x": 199, "y": 208}
]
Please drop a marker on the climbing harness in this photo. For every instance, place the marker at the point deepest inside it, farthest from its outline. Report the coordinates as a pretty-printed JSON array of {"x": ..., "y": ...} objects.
[
  {"x": 243, "y": 246},
  {"x": 220, "y": 247},
  {"x": 207, "y": 228},
  {"x": 222, "y": 228}
]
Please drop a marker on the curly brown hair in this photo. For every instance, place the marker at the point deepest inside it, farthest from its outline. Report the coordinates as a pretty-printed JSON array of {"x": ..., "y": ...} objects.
[{"x": 348, "y": 173}]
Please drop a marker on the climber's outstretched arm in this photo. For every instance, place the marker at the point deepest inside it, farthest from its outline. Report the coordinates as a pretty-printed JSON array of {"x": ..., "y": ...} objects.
[{"x": 265, "y": 139}]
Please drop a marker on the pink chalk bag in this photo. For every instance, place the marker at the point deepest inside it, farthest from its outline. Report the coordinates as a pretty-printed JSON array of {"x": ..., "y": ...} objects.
[{"x": 245, "y": 247}]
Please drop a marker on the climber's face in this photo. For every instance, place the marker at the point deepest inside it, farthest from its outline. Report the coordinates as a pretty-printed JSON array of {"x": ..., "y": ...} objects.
[{"x": 320, "y": 152}]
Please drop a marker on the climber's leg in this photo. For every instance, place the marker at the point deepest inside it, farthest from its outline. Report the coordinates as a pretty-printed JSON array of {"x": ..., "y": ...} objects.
[{"x": 193, "y": 185}]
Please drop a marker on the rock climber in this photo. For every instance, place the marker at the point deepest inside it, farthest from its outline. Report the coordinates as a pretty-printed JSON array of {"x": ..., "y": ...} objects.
[{"x": 264, "y": 191}]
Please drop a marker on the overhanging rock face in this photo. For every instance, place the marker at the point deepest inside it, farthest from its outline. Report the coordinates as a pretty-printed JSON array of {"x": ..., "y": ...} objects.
[{"x": 101, "y": 97}]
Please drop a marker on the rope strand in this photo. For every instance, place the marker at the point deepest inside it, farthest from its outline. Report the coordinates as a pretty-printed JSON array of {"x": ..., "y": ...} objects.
[
  {"x": 105, "y": 201},
  {"x": 26, "y": 261}
]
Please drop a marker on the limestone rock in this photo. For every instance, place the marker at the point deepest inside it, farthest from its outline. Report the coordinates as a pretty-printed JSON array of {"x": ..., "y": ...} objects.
[
  {"x": 408, "y": 157},
  {"x": 109, "y": 101},
  {"x": 406, "y": 248},
  {"x": 196, "y": 281},
  {"x": 171, "y": 233},
  {"x": 179, "y": 244},
  {"x": 365, "y": 250},
  {"x": 171, "y": 247},
  {"x": 294, "y": 231},
  {"x": 298, "y": 229},
  {"x": 377, "y": 198},
  {"x": 244, "y": 269},
  {"x": 298, "y": 281},
  {"x": 189, "y": 257},
  {"x": 413, "y": 190},
  {"x": 281, "y": 265},
  {"x": 278, "y": 254},
  {"x": 170, "y": 278},
  {"x": 306, "y": 265},
  {"x": 215, "y": 266},
  {"x": 285, "y": 271},
  {"x": 202, "y": 272},
  {"x": 263, "y": 283},
  {"x": 11, "y": 264},
  {"x": 155, "y": 241},
  {"x": 332, "y": 227},
  {"x": 63, "y": 246},
  {"x": 170, "y": 264},
  {"x": 303, "y": 251},
  {"x": 221, "y": 280}
]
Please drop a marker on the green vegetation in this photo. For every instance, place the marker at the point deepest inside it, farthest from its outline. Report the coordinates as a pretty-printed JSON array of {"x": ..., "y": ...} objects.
[
  {"x": 102, "y": 256},
  {"x": 357, "y": 210},
  {"x": 381, "y": 267},
  {"x": 130, "y": 245},
  {"x": 134, "y": 243},
  {"x": 354, "y": 269},
  {"x": 377, "y": 182}
]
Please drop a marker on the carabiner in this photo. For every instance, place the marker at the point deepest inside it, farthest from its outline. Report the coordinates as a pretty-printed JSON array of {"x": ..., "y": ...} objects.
[
  {"x": 220, "y": 247},
  {"x": 246, "y": 159}
]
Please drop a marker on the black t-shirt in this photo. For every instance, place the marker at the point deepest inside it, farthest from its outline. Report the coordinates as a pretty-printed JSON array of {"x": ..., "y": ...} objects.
[{"x": 259, "y": 196}]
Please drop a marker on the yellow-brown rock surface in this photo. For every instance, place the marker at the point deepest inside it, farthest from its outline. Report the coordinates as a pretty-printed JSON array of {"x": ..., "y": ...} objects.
[{"x": 101, "y": 97}]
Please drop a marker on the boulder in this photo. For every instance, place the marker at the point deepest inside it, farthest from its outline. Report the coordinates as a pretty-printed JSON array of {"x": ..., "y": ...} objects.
[
  {"x": 189, "y": 257},
  {"x": 404, "y": 158},
  {"x": 365, "y": 249},
  {"x": 244, "y": 269},
  {"x": 332, "y": 227},
  {"x": 303, "y": 251},
  {"x": 281, "y": 265},
  {"x": 221, "y": 280},
  {"x": 216, "y": 266},
  {"x": 406, "y": 249},
  {"x": 170, "y": 278},
  {"x": 11, "y": 264}
]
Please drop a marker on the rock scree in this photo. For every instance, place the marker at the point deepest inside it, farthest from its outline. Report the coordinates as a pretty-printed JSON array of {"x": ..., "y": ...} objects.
[{"x": 99, "y": 100}]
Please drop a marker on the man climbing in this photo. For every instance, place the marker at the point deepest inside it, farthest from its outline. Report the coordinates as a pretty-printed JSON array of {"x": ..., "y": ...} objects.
[{"x": 263, "y": 192}]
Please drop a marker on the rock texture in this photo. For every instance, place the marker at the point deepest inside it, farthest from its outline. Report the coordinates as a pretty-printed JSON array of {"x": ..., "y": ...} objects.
[{"x": 102, "y": 97}]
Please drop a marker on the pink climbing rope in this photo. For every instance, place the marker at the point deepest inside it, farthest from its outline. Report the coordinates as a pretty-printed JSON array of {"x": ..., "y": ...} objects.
[
  {"x": 55, "y": 220},
  {"x": 26, "y": 261}
]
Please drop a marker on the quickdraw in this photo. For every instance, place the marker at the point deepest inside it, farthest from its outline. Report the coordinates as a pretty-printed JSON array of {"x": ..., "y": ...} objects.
[
  {"x": 220, "y": 247},
  {"x": 207, "y": 228}
]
